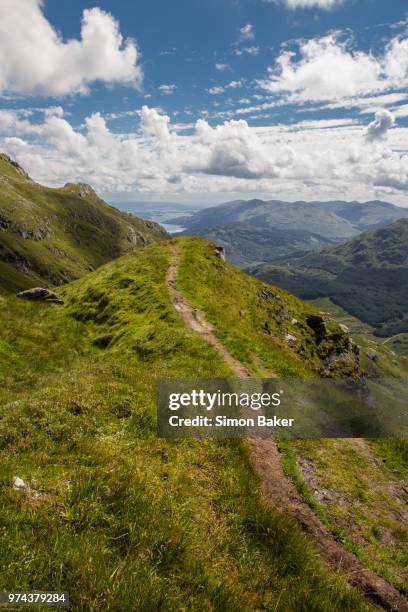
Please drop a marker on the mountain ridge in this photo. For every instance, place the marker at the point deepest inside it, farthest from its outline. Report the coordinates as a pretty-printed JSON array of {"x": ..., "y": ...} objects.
[
  {"x": 51, "y": 236},
  {"x": 366, "y": 275},
  {"x": 332, "y": 219}
]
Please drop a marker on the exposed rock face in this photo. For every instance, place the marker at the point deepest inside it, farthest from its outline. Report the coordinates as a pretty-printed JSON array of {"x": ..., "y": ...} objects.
[
  {"x": 317, "y": 323},
  {"x": 39, "y": 294},
  {"x": 135, "y": 237},
  {"x": 219, "y": 251},
  {"x": 15, "y": 165},
  {"x": 83, "y": 190}
]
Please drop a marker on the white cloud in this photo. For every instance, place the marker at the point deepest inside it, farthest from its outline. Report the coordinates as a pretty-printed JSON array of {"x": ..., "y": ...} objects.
[
  {"x": 167, "y": 90},
  {"x": 378, "y": 129},
  {"x": 311, "y": 159},
  {"x": 154, "y": 124},
  {"x": 247, "y": 32},
  {"x": 330, "y": 69},
  {"x": 367, "y": 104},
  {"x": 400, "y": 111},
  {"x": 216, "y": 91},
  {"x": 223, "y": 67},
  {"x": 249, "y": 50},
  {"x": 231, "y": 150},
  {"x": 294, "y": 4},
  {"x": 234, "y": 84},
  {"x": 35, "y": 60}
]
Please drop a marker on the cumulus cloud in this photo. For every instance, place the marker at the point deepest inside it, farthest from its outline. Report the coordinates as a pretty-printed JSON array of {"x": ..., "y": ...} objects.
[
  {"x": 253, "y": 50},
  {"x": 223, "y": 67},
  {"x": 216, "y": 91},
  {"x": 35, "y": 60},
  {"x": 377, "y": 129},
  {"x": 232, "y": 150},
  {"x": 327, "y": 68},
  {"x": 247, "y": 32},
  {"x": 167, "y": 90},
  {"x": 234, "y": 84},
  {"x": 153, "y": 123},
  {"x": 309, "y": 159}
]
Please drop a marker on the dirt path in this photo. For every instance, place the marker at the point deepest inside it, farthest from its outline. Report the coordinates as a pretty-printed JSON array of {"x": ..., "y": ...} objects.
[{"x": 280, "y": 492}]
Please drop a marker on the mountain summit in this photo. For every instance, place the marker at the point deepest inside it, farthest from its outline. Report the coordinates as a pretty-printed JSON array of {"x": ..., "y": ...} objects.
[{"x": 52, "y": 236}]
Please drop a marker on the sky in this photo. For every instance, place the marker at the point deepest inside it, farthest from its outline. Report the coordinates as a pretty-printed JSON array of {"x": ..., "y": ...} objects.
[{"x": 194, "y": 101}]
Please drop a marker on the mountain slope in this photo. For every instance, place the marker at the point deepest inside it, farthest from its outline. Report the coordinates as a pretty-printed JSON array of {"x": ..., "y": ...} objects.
[
  {"x": 246, "y": 244},
  {"x": 331, "y": 220},
  {"x": 122, "y": 519},
  {"x": 51, "y": 236},
  {"x": 367, "y": 276}
]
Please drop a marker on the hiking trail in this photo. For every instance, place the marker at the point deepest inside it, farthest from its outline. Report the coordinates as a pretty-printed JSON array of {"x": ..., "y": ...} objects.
[{"x": 277, "y": 488}]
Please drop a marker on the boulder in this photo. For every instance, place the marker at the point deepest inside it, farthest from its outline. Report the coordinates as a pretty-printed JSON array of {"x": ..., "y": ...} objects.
[
  {"x": 219, "y": 251},
  {"x": 372, "y": 354},
  {"x": 291, "y": 340},
  {"x": 39, "y": 294}
]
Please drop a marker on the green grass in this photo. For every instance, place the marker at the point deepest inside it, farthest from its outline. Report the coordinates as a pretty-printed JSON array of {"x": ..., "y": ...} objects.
[
  {"x": 242, "y": 308},
  {"x": 367, "y": 276},
  {"x": 364, "y": 497},
  {"x": 119, "y": 518},
  {"x": 52, "y": 236}
]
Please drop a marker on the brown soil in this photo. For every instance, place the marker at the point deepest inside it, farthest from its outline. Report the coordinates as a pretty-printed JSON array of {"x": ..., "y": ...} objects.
[{"x": 280, "y": 492}]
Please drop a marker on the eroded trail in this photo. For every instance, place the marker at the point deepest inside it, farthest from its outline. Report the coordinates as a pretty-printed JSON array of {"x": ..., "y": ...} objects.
[{"x": 280, "y": 492}]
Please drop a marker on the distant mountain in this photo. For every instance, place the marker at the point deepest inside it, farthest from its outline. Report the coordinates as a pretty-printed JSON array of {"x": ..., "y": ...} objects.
[
  {"x": 335, "y": 220},
  {"x": 247, "y": 244},
  {"x": 51, "y": 236},
  {"x": 367, "y": 276}
]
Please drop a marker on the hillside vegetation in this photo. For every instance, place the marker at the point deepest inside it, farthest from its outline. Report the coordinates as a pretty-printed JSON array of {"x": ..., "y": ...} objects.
[
  {"x": 367, "y": 276},
  {"x": 52, "y": 236},
  {"x": 119, "y": 518}
]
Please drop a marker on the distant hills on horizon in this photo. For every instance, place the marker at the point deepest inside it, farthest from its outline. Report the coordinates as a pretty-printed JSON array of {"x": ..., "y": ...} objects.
[{"x": 259, "y": 231}]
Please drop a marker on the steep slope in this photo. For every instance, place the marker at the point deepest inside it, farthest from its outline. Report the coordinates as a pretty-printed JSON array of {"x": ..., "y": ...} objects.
[
  {"x": 332, "y": 220},
  {"x": 51, "y": 236},
  {"x": 119, "y": 518},
  {"x": 367, "y": 276},
  {"x": 247, "y": 244}
]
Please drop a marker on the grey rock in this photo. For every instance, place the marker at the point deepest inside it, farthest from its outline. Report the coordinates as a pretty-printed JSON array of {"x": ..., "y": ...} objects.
[
  {"x": 40, "y": 294},
  {"x": 291, "y": 340},
  {"x": 219, "y": 251},
  {"x": 372, "y": 354},
  {"x": 19, "y": 484},
  {"x": 135, "y": 237}
]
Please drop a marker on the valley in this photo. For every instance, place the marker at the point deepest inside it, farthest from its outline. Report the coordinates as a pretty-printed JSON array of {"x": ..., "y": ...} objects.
[
  {"x": 123, "y": 511},
  {"x": 366, "y": 276}
]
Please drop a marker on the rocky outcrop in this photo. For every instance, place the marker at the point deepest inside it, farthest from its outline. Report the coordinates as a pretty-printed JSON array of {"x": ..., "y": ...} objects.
[
  {"x": 135, "y": 237},
  {"x": 219, "y": 251},
  {"x": 15, "y": 165},
  {"x": 40, "y": 294},
  {"x": 317, "y": 324}
]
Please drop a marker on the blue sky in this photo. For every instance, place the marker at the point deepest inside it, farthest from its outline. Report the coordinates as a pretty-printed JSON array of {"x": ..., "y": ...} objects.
[{"x": 291, "y": 100}]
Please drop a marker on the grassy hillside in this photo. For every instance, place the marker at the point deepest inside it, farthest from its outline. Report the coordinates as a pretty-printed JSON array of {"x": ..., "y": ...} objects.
[
  {"x": 52, "y": 236},
  {"x": 122, "y": 519},
  {"x": 367, "y": 276}
]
